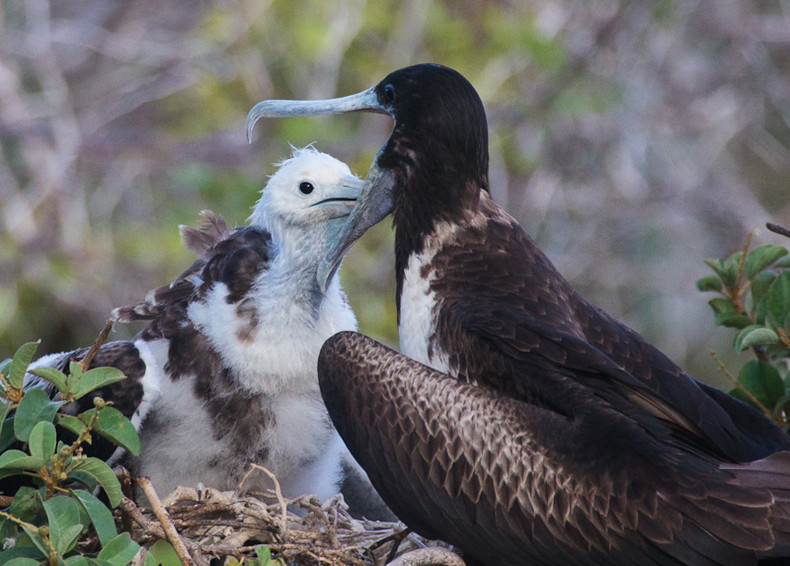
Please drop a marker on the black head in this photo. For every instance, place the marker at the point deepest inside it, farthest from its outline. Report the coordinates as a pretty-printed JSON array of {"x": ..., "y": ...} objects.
[{"x": 439, "y": 115}]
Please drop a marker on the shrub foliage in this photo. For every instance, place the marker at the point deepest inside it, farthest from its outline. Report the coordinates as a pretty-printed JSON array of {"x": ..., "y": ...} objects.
[{"x": 753, "y": 288}]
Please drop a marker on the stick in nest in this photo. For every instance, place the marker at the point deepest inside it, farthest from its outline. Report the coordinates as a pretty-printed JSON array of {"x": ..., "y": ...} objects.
[
  {"x": 164, "y": 518},
  {"x": 277, "y": 491}
]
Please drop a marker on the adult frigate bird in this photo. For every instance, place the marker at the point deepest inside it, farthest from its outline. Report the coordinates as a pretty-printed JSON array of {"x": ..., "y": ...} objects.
[
  {"x": 526, "y": 425},
  {"x": 238, "y": 335}
]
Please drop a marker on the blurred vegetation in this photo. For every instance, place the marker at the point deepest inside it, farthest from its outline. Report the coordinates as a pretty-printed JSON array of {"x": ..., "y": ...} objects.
[{"x": 631, "y": 139}]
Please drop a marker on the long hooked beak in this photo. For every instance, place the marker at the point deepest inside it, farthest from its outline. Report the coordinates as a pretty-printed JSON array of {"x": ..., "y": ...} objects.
[
  {"x": 365, "y": 101},
  {"x": 375, "y": 201}
]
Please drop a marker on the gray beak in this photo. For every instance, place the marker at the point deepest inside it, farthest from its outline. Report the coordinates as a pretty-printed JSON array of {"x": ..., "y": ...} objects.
[
  {"x": 365, "y": 101},
  {"x": 340, "y": 199},
  {"x": 373, "y": 205},
  {"x": 375, "y": 201}
]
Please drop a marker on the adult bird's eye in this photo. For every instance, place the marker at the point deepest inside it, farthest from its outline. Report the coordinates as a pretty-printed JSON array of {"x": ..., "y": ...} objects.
[
  {"x": 389, "y": 93},
  {"x": 306, "y": 187}
]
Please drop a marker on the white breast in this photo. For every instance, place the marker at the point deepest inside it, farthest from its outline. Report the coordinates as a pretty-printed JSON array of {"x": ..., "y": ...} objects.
[{"x": 417, "y": 322}]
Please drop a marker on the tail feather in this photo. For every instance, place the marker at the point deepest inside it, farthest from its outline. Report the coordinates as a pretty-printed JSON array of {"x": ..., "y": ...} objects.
[
  {"x": 771, "y": 474},
  {"x": 211, "y": 229}
]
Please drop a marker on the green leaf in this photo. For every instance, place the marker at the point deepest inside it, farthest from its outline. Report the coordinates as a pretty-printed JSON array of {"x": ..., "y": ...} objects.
[
  {"x": 119, "y": 551},
  {"x": 755, "y": 335},
  {"x": 18, "y": 460},
  {"x": 64, "y": 522},
  {"x": 69, "y": 537},
  {"x": 102, "y": 473},
  {"x": 721, "y": 305},
  {"x": 72, "y": 424},
  {"x": 42, "y": 440},
  {"x": 730, "y": 274},
  {"x": 100, "y": 515},
  {"x": 115, "y": 427},
  {"x": 762, "y": 381},
  {"x": 22, "y": 358},
  {"x": 75, "y": 373},
  {"x": 23, "y": 562},
  {"x": 783, "y": 263},
  {"x": 34, "y": 407},
  {"x": 709, "y": 283},
  {"x": 6, "y": 426},
  {"x": 161, "y": 553},
  {"x": 761, "y": 257},
  {"x": 77, "y": 561},
  {"x": 777, "y": 301},
  {"x": 264, "y": 554},
  {"x": 26, "y": 505},
  {"x": 94, "y": 379},
  {"x": 733, "y": 320},
  {"x": 87, "y": 480},
  {"x": 37, "y": 541},
  {"x": 758, "y": 290},
  {"x": 717, "y": 265},
  {"x": 55, "y": 377},
  {"x": 17, "y": 551}
]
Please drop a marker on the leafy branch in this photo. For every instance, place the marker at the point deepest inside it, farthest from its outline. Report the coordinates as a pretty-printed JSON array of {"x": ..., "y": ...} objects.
[
  {"x": 45, "y": 450},
  {"x": 754, "y": 298}
]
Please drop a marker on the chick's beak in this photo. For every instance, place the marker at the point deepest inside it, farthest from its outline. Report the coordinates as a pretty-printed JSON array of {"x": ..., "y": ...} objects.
[{"x": 375, "y": 201}]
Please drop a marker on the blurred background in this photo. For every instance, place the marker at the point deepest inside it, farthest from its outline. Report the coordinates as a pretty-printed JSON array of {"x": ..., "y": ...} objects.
[{"x": 631, "y": 139}]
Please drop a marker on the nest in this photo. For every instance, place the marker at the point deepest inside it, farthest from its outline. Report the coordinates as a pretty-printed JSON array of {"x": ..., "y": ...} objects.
[{"x": 209, "y": 527}]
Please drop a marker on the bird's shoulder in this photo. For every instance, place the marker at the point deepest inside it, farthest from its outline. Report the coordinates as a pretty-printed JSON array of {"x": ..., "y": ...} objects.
[{"x": 233, "y": 257}]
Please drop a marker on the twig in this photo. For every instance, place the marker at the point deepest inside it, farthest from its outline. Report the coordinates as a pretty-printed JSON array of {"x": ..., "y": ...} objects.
[
  {"x": 395, "y": 538},
  {"x": 776, "y": 229},
  {"x": 736, "y": 293},
  {"x": 740, "y": 386},
  {"x": 86, "y": 361},
  {"x": 164, "y": 518},
  {"x": 131, "y": 509},
  {"x": 277, "y": 491}
]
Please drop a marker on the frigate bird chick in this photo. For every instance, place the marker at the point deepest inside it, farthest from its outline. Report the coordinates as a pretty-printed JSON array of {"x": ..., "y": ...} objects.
[
  {"x": 526, "y": 425},
  {"x": 238, "y": 335}
]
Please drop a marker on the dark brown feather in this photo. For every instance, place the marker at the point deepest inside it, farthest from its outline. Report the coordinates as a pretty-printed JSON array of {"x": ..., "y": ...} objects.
[{"x": 498, "y": 476}]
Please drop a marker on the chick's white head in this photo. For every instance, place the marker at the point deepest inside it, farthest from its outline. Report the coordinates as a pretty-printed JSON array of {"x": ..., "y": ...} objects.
[{"x": 309, "y": 190}]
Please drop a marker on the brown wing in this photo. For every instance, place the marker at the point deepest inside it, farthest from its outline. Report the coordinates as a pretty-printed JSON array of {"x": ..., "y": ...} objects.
[
  {"x": 515, "y": 483},
  {"x": 503, "y": 301},
  {"x": 234, "y": 257}
]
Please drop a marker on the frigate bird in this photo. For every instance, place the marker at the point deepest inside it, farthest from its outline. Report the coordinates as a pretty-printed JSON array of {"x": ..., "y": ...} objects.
[
  {"x": 526, "y": 425},
  {"x": 238, "y": 335}
]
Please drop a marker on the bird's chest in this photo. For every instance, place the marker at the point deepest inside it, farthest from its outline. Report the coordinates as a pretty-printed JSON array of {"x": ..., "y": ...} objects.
[{"x": 418, "y": 309}]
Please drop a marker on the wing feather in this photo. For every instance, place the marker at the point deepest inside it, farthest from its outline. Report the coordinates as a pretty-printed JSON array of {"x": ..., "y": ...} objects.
[{"x": 492, "y": 474}]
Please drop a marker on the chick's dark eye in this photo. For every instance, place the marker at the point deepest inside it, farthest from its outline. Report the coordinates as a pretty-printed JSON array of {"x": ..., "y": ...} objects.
[
  {"x": 389, "y": 93},
  {"x": 305, "y": 187}
]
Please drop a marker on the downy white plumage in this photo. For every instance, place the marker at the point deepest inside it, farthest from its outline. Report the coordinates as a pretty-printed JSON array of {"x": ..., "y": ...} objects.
[{"x": 238, "y": 335}]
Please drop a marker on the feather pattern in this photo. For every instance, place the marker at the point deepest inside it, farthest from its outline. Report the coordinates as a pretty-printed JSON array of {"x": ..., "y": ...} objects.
[{"x": 517, "y": 473}]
